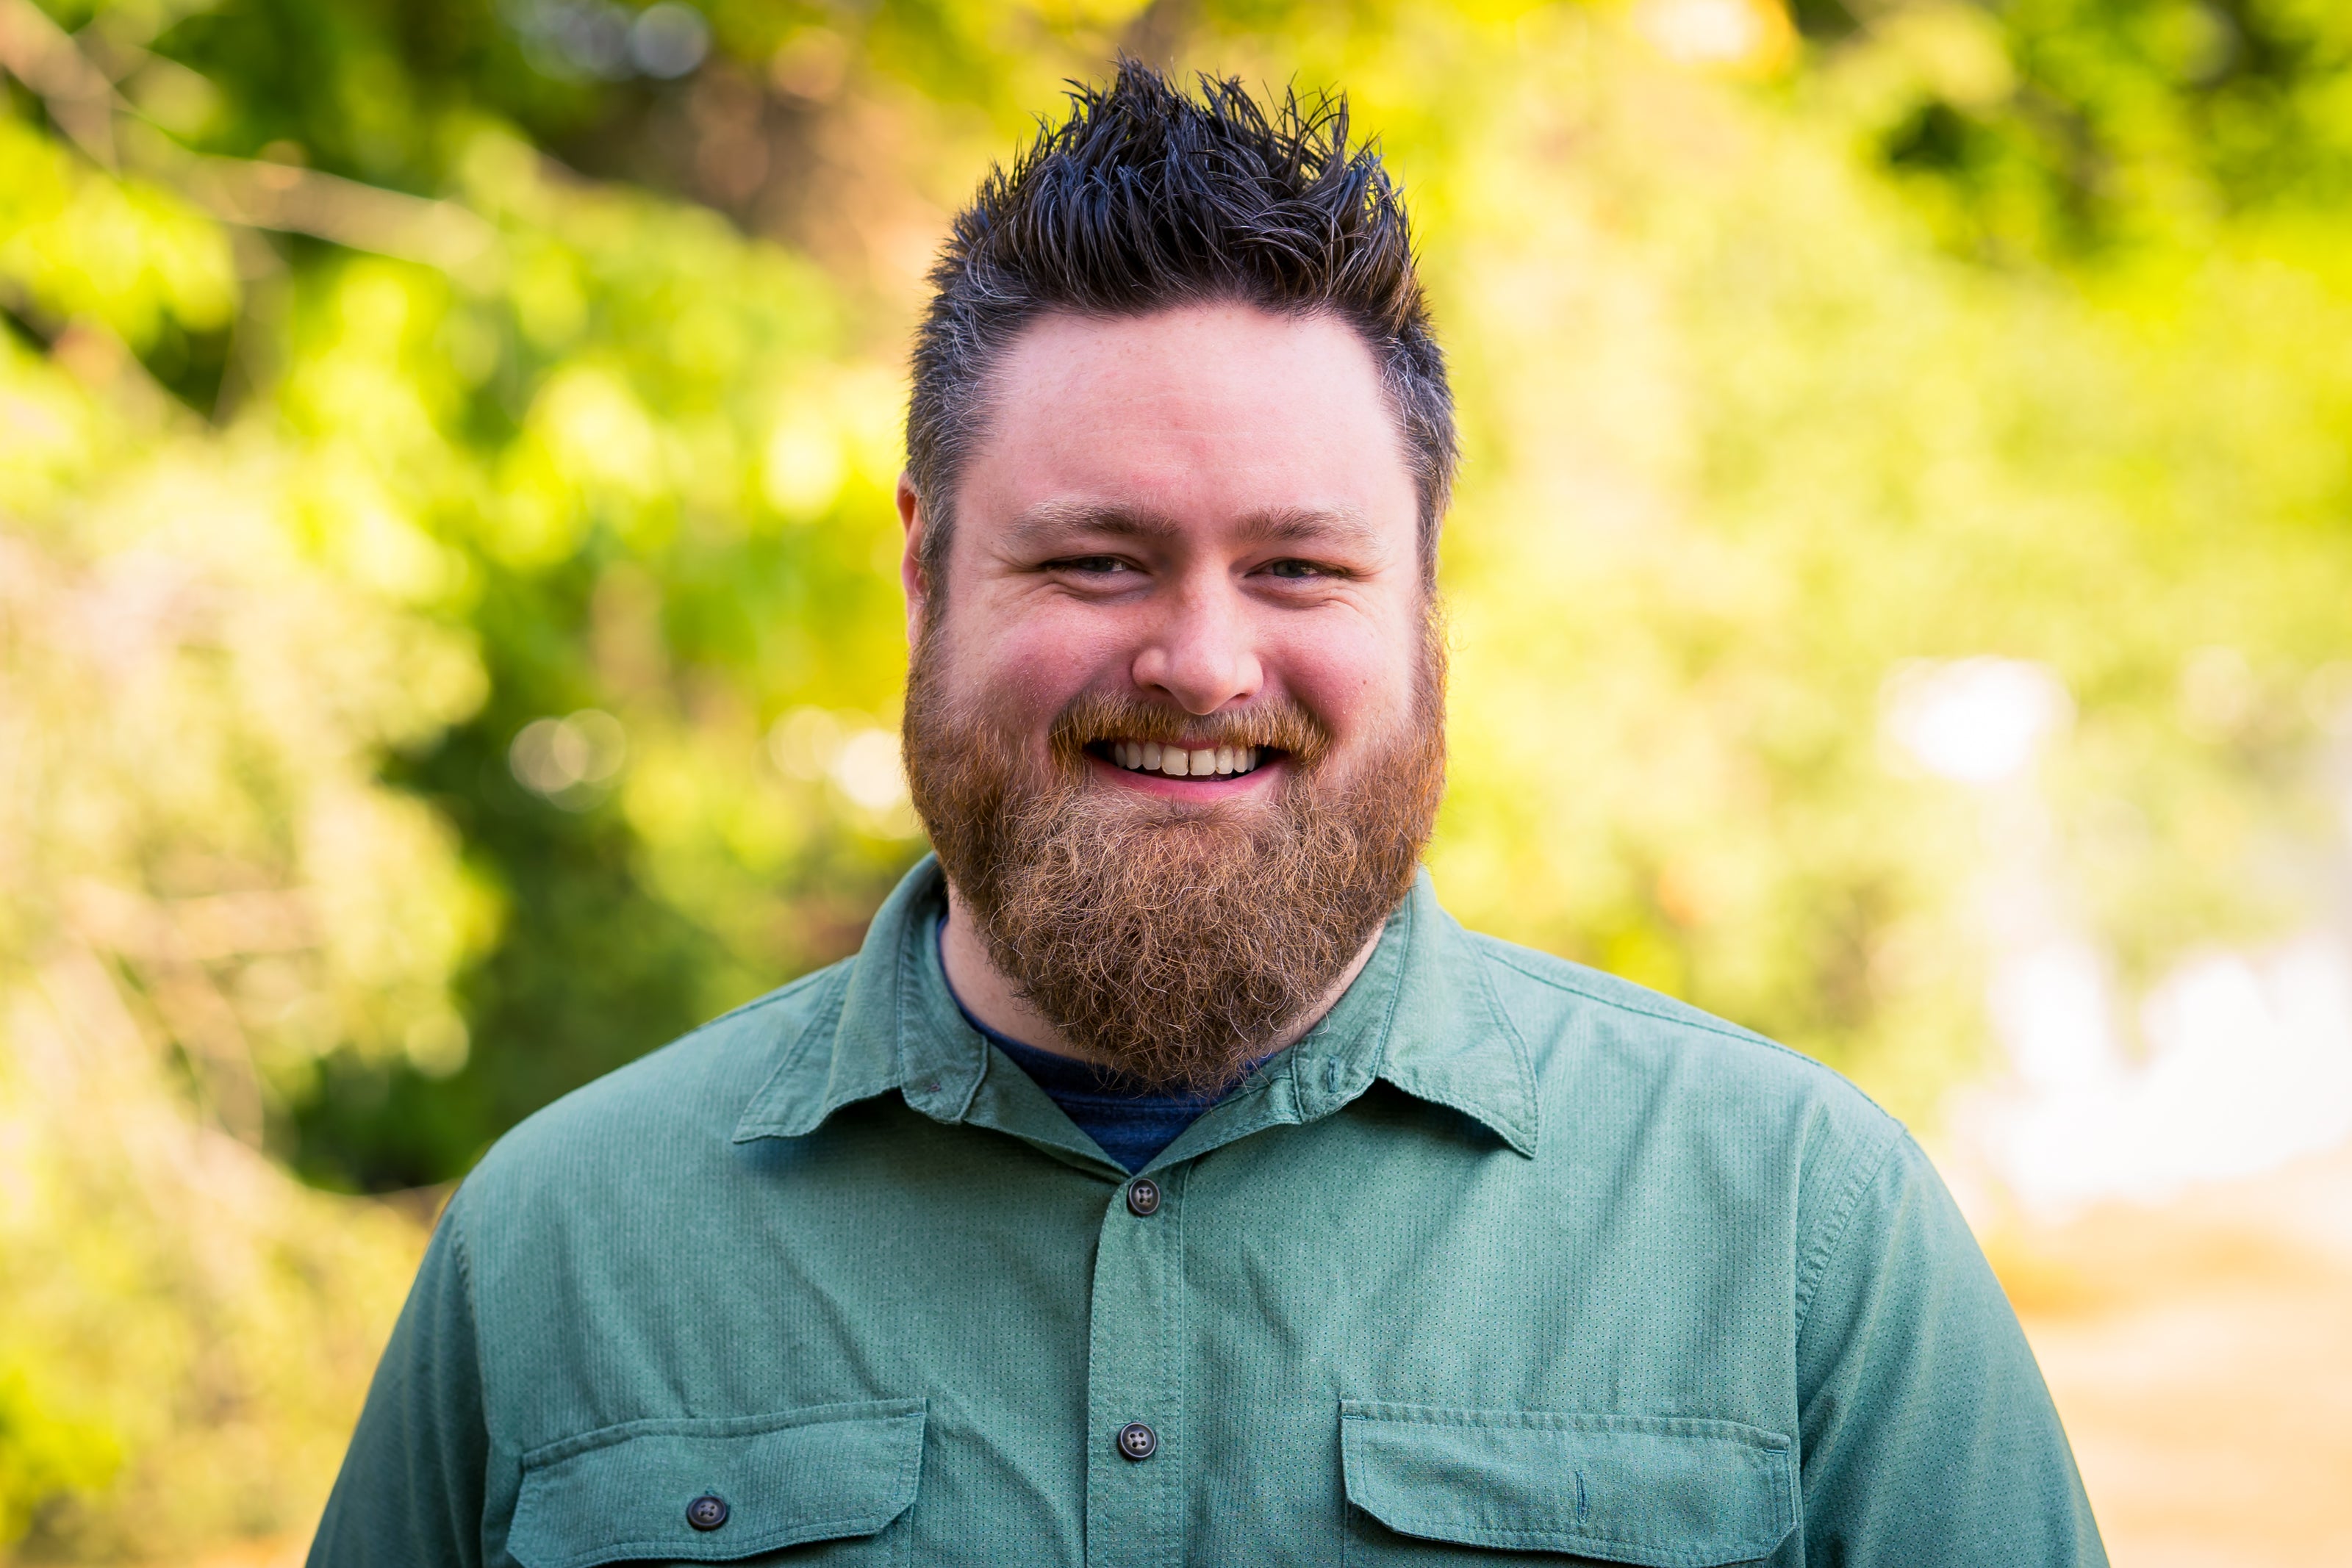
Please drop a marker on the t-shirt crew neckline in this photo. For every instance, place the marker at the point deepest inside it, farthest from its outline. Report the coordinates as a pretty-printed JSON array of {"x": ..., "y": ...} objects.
[{"x": 1129, "y": 1123}]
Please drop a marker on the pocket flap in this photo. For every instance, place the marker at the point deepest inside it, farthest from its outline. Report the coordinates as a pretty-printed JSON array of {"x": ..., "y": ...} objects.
[
  {"x": 621, "y": 1492},
  {"x": 1667, "y": 1492}
]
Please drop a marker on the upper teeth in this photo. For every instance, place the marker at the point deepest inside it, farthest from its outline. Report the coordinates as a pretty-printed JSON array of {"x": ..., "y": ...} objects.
[{"x": 1177, "y": 762}]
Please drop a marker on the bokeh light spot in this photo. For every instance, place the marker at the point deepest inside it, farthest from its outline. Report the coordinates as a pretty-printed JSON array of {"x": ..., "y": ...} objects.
[
  {"x": 560, "y": 758},
  {"x": 1979, "y": 721}
]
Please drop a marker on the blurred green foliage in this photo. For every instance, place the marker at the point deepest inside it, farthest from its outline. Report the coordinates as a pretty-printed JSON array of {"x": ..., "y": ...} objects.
[{"x": 449, "y": 640}]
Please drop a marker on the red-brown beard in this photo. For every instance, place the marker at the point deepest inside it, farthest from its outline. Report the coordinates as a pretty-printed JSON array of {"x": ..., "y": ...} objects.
[{"x": 1177, "y": 940}]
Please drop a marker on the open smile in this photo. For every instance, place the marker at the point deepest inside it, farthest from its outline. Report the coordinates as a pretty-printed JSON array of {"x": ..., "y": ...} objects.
[{"x": 1164, "y": 760}]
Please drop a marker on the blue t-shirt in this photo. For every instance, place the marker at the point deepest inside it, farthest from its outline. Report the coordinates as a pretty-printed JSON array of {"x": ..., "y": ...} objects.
[{"x": 1132, "y": 1124}]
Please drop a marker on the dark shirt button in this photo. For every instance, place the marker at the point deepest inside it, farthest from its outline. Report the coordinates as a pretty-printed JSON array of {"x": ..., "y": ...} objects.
[
  {"x": 1138, "y": 1441},
  {"x": 1143, "y": 1197},
  {"x": 706, "y": 1512}
]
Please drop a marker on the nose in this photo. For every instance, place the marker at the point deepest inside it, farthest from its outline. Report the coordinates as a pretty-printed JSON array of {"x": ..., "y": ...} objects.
[{"x": 1201, "y": 654}]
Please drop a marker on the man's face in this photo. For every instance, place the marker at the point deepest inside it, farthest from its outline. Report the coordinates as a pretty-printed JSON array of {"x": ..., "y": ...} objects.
[
  {"x": 1201, "y": 510},
  {"x": 1182, "y": 538}
]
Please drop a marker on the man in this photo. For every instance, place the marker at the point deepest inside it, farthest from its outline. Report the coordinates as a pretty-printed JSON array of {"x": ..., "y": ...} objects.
[{"x": 1169, "y": 1180}]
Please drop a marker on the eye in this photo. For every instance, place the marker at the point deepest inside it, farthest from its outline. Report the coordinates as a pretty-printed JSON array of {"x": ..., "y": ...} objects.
[
  {"x": 1089, "y": 565},
  {"x": 1296, "y": 570}
]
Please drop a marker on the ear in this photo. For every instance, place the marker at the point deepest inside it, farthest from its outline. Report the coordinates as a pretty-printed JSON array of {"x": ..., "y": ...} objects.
[{"x": 910, "y": 561}]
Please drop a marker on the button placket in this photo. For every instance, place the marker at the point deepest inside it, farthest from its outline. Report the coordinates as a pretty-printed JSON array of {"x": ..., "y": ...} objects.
[{"x": 1134, "y": 1443}]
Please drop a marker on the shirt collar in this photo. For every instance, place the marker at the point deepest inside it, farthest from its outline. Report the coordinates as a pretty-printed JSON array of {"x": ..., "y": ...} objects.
[{"x": 1421, "y": 1016}]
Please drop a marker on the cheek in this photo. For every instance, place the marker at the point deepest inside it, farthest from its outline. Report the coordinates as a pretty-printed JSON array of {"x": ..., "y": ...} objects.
[
  {"x": 1028, "y": 662},
  {"x": 1355, "y": 676}
]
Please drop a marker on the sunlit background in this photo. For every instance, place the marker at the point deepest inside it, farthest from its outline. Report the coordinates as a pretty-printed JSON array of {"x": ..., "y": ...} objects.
[{"x": 1901, "y": 597}]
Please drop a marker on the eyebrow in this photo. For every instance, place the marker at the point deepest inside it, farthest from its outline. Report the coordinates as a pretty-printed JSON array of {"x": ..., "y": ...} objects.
[{"x": 1053, "y": 521}]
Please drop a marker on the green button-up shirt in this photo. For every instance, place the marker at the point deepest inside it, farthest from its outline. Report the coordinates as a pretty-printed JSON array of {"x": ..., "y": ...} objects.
[{"x": 1503, "y": 1257}]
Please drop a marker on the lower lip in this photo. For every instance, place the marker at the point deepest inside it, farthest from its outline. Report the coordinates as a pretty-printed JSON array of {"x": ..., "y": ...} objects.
[{"x": 1217, "y": 787}]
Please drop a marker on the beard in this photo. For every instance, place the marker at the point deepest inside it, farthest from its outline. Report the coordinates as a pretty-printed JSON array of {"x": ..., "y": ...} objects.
[{"x": 1175, "y": 939}]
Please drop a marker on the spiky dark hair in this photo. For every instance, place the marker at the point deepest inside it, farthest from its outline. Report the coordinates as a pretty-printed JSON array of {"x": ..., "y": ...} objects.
[{"x": 1144, "y": 198}]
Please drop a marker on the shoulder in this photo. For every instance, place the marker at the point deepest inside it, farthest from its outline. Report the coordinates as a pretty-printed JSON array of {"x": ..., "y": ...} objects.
[
  {"x": 662, "y": 1114},
  {"x": 1610, "y": 1052}
]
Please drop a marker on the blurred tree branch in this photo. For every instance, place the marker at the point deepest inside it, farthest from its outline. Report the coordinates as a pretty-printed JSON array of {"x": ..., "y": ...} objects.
[
  {"x": 79, "y": 96},
  {"x": 251, "y": 193}
]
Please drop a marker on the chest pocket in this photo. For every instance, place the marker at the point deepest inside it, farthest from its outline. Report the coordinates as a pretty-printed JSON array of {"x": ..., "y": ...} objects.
[
  {"x": 723, "y": 1491},
  {"x": 1429, "y": 1487}
]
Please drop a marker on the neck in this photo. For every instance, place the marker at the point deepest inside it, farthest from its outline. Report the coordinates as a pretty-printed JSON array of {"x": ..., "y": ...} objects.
[{"x": 996, "y": 1001}]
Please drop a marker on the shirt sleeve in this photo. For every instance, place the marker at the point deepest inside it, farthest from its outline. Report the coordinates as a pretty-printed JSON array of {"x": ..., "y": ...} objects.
[
  {"x": 1928, "y": 1436},
  {"x": 410, "y": 1492}
]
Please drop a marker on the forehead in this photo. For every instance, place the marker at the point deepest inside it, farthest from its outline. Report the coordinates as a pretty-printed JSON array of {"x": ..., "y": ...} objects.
[{"x": 1207, "y": 414}]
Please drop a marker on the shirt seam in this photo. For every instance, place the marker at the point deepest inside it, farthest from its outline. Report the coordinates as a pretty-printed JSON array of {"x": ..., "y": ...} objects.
[
  {"x": 1818, "y": 1257},
  {"x": 1695, "y": 1428},
  {"x": 782, "y": 993},
  {"x": 1430, "y": 1524},
  {"x": 1167, "y": 1525},
  {"x": 1728, "y": 1030},
  {"x": 900, "y": 1021},
  {"x": 1498, "y": 952},
  {"x": 462, "y": 1254}
]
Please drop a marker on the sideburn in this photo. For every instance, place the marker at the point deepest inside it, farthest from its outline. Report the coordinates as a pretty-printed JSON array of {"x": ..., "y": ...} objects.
[{"x": 1176, "y": 940}]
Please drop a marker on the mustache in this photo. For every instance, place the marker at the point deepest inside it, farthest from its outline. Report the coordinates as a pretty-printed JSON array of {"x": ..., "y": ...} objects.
[{"x": 1276, "y": 724}]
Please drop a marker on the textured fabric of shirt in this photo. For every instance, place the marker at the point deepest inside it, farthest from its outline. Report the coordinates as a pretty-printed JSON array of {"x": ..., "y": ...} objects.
[
  {"x": 1505, "y": 1261},
  {"x": 1128, "y": 1122}
]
